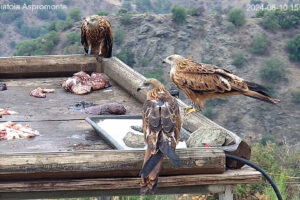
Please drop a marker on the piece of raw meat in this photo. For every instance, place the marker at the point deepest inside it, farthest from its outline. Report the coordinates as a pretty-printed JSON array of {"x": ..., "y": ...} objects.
[
  {"x": 98, "y": 81},
  {"x": 7, "y": 112},
  {"x": 106, "y": 109},
  {"x": 9, "y": 131},
  {"x": 41, "y": 93},
  {"x": 82, "y": 83}
]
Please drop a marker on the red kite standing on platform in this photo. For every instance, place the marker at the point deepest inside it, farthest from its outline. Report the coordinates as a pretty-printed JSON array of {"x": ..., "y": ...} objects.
[{"x": 161, "y": 127}]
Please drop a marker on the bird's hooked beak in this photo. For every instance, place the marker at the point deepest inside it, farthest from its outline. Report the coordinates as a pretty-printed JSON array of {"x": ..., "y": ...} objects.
[
  {"x": 141, "y": 87},
  {"x": 164, "y": 61}
]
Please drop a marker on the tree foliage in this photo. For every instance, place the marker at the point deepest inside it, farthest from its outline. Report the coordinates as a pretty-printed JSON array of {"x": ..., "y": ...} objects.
[
  {"x": 39, "y": 46},
  {"x": 178, "y": 13},
  {"x": 259, "y": 44},
  {"x": 119, "y": 35},
  {"x": 127, "y": 57},
  {"x": 239, "y": 60},
  {"x": 273, "y": 70},
  {"x": 296, "y": 96},
  {"x": 237, "y": 16},
  {"x": 293, "y": 48}
]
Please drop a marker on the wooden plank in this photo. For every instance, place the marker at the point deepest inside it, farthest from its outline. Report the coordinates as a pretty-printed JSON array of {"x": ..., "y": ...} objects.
[
  {"x": 46, "y": 66},
  {"x": 205, "y": 189},
  {"x": 106, "y": 163},
  {"x": 230, "y": 177}
]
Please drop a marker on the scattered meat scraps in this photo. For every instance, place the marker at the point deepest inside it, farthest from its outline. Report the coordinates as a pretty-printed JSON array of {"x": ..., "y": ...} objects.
[
  {"x": 82, "y": 83},
  {"x": 106, "y": 109},
  {"x": 10, "y": 131},
  {"x": 41, "y": 93},
  {"x": 7, "y": 112},
  {"x": 3, "y": 86}
]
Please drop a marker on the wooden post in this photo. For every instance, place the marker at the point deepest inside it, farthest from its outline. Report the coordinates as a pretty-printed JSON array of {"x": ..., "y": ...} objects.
[{"x": 228, "y": 194}]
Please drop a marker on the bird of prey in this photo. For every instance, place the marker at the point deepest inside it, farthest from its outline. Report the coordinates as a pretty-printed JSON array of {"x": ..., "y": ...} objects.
[
  {"x": 96, "y": 36},
  {"x": 201, "y": 81},
  {"x": 161, "y": 127}
]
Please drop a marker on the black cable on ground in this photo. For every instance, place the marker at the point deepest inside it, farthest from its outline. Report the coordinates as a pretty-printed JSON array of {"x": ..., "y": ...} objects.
[{"x": 251, "y": 164}]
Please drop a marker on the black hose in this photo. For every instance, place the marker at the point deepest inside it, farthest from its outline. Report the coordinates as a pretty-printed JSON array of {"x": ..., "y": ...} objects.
[{"x": 251, "y": 164}]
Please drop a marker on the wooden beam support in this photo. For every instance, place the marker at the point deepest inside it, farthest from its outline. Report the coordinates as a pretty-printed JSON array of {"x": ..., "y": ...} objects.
[
  {"x": 106, "y": 163},
  {"x": 111, "y": 184},
  {"x": 46, "y": 66}
]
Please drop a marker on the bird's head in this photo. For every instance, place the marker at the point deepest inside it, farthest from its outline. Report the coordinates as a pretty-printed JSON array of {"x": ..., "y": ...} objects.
[
  {"x": 149, "y": 84},
  {"x": 172, "y": 59},
  {"x": 91, "y": 21}
]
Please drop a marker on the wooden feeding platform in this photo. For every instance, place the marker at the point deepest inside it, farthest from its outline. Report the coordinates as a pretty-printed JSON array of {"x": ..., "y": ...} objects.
[{"x": 70, "y": 159}]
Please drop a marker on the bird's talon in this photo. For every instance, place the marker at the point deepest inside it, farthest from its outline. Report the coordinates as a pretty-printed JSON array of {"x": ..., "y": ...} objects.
[
  {"x": 191, "y": 111},
  {"x": 188, "y": 108},
  {"x": 99, "y": 58}
]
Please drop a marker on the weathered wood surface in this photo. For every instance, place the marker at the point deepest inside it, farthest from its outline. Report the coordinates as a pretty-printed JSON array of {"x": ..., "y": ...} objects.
[
  {"x": 109, "y": 163},
  {"x": 45, "y": 66},
  {"x": 60, "y": 128},
  {"x": 110, "y": 184}
]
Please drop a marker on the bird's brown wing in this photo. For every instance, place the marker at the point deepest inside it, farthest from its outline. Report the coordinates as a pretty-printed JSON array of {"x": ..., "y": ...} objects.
[
  {"x": 161, "y": 127},
  {"x": 108, "y": 40},
  {"x": 200, "y": 78},
  {"x": 83, "y": 37}
]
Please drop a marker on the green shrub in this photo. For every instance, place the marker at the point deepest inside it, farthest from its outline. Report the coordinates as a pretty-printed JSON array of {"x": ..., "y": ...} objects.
[
  {"x": 143, "y": 62},
  {"x": 178, "y": 14},
  {"x": 281, "y": 162},
  {"x": 12, "y": 44},
  {"x": 39, "y": 46},
  {"x": 52, "y": 26},
  {"x": 280, "y": 18},
  {"x": 125, "y": 19},
  {"x": 43, "y": 14},
  {"x": 64, "y": 25},
  {"x": 157, "y": 74},
  {"x": 119, "y": 36},
  {"x": 73, "y": 38},
  {"x": 230, "y": 27},
  {"x": 60, "y": 14},
  {"x": 270, "y": 21},
  {"x": 74, "y": 14},
  {"x": 1, "y": 35},
  {"x": 259, "y": 44},
  {"x": 122, "y": 11},
  {"x": 273, "y": 70},
  {"x": 239, "y": 60},
  {"x": 127, "y": 57},
  {"x": 73, "y": 49},
  {"x": 237, "y": 16},
  {"x": 32, "y": 31},
  {"x": 293, "y": 48},
  {"x": 296, "y": 96},
  {"x": 7, "y": 17},
  {"x": 267, "y": 138},
  {"x": 103, "y": 13},
  {"x": 192, "y": 11}
]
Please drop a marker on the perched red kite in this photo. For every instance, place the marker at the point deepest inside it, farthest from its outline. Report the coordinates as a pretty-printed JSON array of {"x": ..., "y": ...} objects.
[
  {"x": 96, "y": 36},
  {"x": 205, "y": 81},
  {"x": 161, "y": 127}
]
